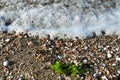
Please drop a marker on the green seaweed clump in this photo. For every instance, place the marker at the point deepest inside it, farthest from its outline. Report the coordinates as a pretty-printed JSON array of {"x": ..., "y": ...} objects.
[{"x": 67, "y": 68}]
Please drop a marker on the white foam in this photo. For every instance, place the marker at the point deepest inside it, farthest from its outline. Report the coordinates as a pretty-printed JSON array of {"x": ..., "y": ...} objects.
[{"x": 58, "y": 20}]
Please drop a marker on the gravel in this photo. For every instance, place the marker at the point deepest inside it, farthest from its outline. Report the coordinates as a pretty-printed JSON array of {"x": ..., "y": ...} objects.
[{"x": 31, "y": 57}]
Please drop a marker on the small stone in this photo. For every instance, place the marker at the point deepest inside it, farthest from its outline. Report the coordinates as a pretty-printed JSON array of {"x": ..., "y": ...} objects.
[
  {"x": 117, "y": 49},
  {"x": 105, "y": 48},
  {"x": 96, "y": 75},
  {"x": 61, "y": 78},
  {"x": 20, "y": 78},
  {"x": 91, "y": 65},
  {"x": 52, "y": 73},
  {"x": 113, "y": 64},
  {"x": 3, "y": 78},
  {"x": 7, "y": 40},
  {"x": 29, "y": 43},
  {"x": 6, "y": 63},
  {"x": 118, "y": 71},
  {"x": 75, "y": 62},
  {"x": 60, "y": 57},
  {"x": 67, "y": 78},
  {"x": 85, "y": 47},
  {"x": 109, "y": 55},
  {"x": 118, "y": 58},
  {"x": 81, "y": 78},
  {"x": 85, "y": 61},
  {"x": 104, "y": 78},
  {"x": 10, "y": 77},
  {"x": 7, "y": 72},
  {"x": 103, "y": 64}
]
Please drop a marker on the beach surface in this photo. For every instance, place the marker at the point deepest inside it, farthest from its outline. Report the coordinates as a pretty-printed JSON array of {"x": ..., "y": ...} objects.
[
  {"x": 35, "y": 34},
  {"x": 30, "y": 57}
]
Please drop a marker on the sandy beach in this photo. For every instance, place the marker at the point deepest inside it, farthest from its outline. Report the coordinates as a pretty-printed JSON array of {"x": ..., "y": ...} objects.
[
  {"x": 96, "y": 23},
  {"x": 30, "y": 57}
]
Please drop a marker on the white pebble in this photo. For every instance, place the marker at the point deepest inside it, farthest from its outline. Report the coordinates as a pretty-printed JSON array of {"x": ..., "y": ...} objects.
[
  {"x": 113, "y": 64},
  {"x": 7, "y": 40},
  {"x": 75, "y": 62},
  {"x": 52, "y": 73},
  {"x": 104, "y": 78},
  {"x": 6, "y": 63},
  {"x": 109, "y": 55},
  {"x": 29, "y": 43},
  {"x": 85, "y": 61},
  {"x": 105, "y": 48},
  {"x": 85, "y": 47},
  {"x": 117, "y": 58},
  {"x": 60, "y": 57},
  {"x": 117, "y": 49},
  {"x": 118, "y": 71},
  {"x": 104, "y": 64},
  {"x": 20, "y": 78}
]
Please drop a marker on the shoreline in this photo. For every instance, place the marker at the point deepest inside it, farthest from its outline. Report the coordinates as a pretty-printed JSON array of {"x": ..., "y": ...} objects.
[{"x": 31, "y": 56}]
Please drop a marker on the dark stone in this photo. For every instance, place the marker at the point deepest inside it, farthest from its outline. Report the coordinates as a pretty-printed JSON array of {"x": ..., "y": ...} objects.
[
  {"x": 103, "y": 33},
  {"x": 7, "y": 23}
]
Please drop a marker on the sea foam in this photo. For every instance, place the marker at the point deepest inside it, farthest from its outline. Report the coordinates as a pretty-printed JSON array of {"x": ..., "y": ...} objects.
[{"x": 73, "y": 18}]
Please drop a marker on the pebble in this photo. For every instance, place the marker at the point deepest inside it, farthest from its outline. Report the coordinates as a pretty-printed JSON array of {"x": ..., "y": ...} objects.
[
  {"x": 117, "y": 58},
  {"x": 118, "y": 71},
  {"x": 52, "y": 73},
  {"x": 75, "y": 62},
  {"x": 85, "y": 47},
  {"x": 61, "y": 78},
  {"x": 20, "y": 78},
  {"x": 10, "y": 77},
  {"x": 3, "y": 78},
  {"x": 105, "y": 48},
  {"x": 7, "y": 40},
  {"x": 6, "y": 63},
  {"x": 104, "y": 78},
  {"x": 85, "y": 61},
  {"x": 29, "y": 43},
  {"x": 96, "y": 75},
  {"x": 109, "y": 55},
  {"x": 103, "y": 64},
  {"x": 114, "y": 64},
  {"x": 117, "y": 49},
  {"x": 60, "y": 57}
]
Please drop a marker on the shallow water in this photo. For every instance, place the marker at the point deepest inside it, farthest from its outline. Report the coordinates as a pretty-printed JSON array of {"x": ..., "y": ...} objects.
[{"x": 59, "y": 17}]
